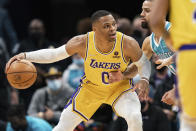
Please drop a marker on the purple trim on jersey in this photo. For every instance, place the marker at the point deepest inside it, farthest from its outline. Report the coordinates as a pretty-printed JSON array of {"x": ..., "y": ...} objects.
[
  {"x": 120, "y": 96},
  {"x": 188, "y": 47},
  {"x": 74, "y": 108},
  {"x": 87, "y": 46},
  {"x": 80, "y": 114},
  {"x": 100, "y": 51},
  {"x": 82, "y": 78},
  {"x": 70, "y": 100},
  {"x": 122, "y": 93},
  {"x": 73, "y": 99},
  {"x": 121, "y": 42}
]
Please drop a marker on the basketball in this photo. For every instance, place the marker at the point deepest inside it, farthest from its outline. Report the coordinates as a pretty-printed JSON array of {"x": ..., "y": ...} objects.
[{"x": 21, "y": 74}]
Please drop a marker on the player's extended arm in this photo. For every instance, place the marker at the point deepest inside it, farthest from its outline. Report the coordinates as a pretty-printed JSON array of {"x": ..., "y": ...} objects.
[
  {"x": 133, "y": 51},
  {"x": 73, "y": 46}
]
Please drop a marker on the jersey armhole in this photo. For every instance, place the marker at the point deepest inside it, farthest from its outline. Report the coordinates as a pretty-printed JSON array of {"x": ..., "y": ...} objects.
[
  {"x": 122, "y": 39},
  {"x": 87, "y": 42}
]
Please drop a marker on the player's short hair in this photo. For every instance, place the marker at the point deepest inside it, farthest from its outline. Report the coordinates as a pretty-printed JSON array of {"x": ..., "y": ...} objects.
[{"x": 98, "y": 14}]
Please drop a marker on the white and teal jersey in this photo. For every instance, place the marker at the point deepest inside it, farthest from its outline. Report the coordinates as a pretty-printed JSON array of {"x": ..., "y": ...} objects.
[{"x": 161, "y": 49}]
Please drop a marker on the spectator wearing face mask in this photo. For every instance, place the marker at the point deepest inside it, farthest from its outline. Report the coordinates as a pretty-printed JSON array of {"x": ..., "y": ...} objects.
[
  {"x": 18, "y": 121},
  {"x": 74, "y": 72},
  {"x": 36, "y": 38},
  {"x": 48, "y": 102}
]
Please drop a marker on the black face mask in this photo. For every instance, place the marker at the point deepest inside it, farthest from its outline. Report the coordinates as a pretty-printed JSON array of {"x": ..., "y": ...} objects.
[
  {"x": 144, "y": 25},
  {"x": 36, "y": 36},
  {"x": 137, "y": 33}
]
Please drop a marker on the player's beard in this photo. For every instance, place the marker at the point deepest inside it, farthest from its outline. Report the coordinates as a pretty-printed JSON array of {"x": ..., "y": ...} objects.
[{"x": 145, "y": 25}]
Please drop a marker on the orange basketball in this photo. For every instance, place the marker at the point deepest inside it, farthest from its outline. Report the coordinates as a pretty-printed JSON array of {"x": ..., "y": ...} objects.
[{"x": 21, "y": 74}]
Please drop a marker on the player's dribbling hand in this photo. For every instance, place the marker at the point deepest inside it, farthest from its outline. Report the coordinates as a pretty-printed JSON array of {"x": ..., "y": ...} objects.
[
  {"x": 115, "y": 76},
  {"x": 142, "y": 88},
  {"x": 14, "y": 58}
]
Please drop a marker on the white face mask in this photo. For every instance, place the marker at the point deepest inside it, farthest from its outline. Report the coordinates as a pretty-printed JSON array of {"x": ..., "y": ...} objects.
[{"x": 54, "y": 85}]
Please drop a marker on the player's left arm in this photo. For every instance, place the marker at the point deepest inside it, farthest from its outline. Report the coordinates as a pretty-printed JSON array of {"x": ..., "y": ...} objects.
[{"x": 133, "y": 52}]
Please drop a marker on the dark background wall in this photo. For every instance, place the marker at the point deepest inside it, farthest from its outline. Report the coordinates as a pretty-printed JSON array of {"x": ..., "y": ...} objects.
[{"x": 61, "y": 16}]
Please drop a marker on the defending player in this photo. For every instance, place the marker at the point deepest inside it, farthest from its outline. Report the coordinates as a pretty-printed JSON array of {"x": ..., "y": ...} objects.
[{"x": 183, "y": 40}]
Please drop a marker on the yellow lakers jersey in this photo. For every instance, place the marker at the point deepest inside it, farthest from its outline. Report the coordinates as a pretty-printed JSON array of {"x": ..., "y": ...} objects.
[
  {"x": 97, "y": 65},
  {"x": 183, "y": 19}
]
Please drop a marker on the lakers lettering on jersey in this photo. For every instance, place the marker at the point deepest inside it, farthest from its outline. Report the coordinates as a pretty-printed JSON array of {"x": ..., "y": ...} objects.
[{"x": 98, "y": 64}]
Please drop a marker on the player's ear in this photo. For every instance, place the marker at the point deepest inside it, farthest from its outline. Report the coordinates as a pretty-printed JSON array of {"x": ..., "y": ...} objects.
[{"x": 94, "y": 28}]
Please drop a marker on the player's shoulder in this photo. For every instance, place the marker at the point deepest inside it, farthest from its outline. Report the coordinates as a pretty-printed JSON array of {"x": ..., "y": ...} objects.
[
  {"x": 80, "y": 38},
  {"x": 130, "y": 45},
  {"x": 77, "y": 44},
  {"x": 129, "y": 41},
  {"x": 147, "y": 40},
  {"x": 146, "y": 45}
]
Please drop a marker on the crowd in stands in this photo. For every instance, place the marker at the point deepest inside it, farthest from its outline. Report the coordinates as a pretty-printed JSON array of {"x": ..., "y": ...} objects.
[{"x": 38, "y": 108}]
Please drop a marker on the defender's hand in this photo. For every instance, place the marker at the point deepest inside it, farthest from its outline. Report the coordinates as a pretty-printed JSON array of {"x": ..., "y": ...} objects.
[
  {"x": 169, "y": 97},
  {"x": 164, "y": 62},
  {"x": 142, "y": 89},
  {"x": 115, "y": 76},
  {"x": 14, "y": 58}
]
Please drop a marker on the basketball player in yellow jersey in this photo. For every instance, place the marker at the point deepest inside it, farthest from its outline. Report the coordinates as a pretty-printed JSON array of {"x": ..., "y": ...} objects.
[
  {"x": 104, "y": 50},
  {"x": 182, "y": 38}
]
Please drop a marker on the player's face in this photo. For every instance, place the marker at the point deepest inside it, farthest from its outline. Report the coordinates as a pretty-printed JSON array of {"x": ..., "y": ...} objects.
[
  {"x": 106, "y": 27},
  {"x": 146, "y": 9}
]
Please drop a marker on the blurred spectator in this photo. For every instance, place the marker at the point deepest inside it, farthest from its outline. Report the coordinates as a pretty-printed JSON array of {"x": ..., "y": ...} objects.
[
  {"x": 160, "y": 76},
  {"x": 101, "y": 120},
  {"x": 165, "y": 85},
  {"x": 74, "y": 72},
  {"x": 139, "y": 33},
  {"x": 124, "y": 26},
  {"x": 48, "y": 102},
  {"x": 118, "y": 124},
  {"x": 36, "y": 37},
  {"x": 7, "y": 32},
  {"x": 4, "y": 88},
  {"x": 14, "y": 98},
  {"x": 36, "y": 40},
  {"x": 18, "y": 121},
  {"x": 154, "y": 119},
  {"x": 83, "y": 26}
]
